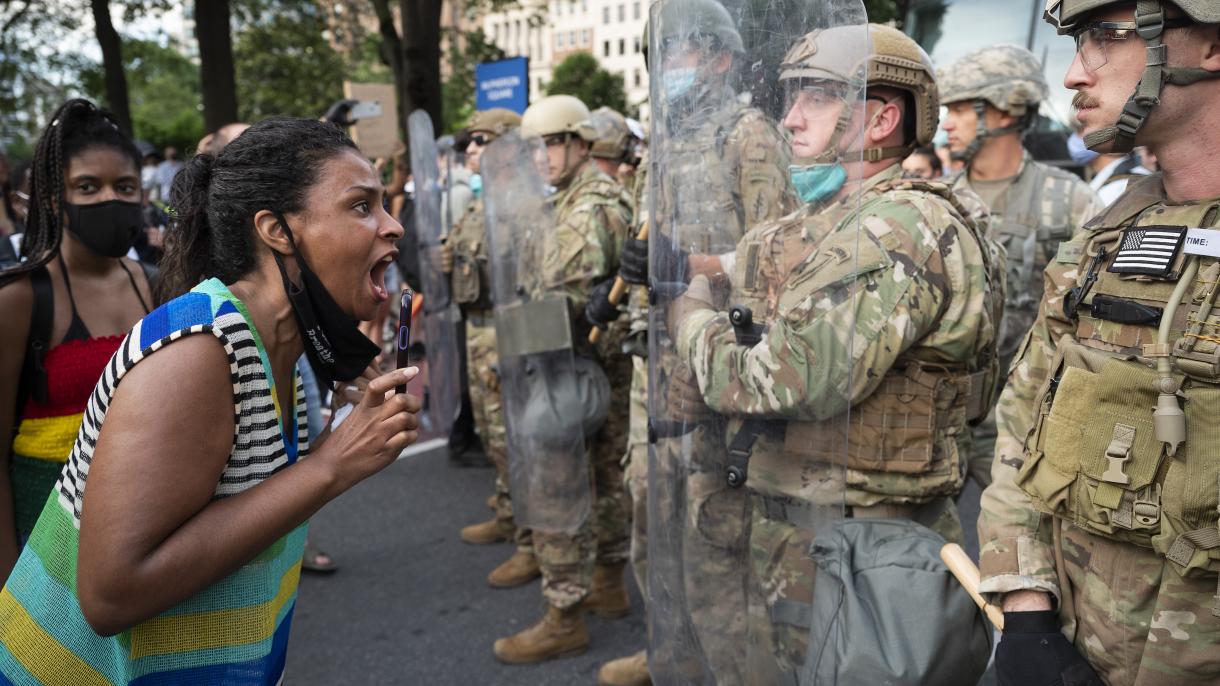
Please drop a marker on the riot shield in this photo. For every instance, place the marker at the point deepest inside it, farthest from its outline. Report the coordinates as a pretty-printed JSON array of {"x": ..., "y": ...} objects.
[
  {"x": 543, "y": 388},
  {"x": 735, "y": 508},
  {"x": 441, "y": 314}
]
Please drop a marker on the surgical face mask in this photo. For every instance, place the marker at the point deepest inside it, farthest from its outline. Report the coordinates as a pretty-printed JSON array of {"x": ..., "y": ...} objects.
[
  {"x": 678, "y": 82},
  {"x": 337, "y": 349},
  {"x": 107, "y": 228},
  {"x": 476, "y": 185},
  {"x": 817, "y": 182},
  {"x": 1080, "y": 154}
]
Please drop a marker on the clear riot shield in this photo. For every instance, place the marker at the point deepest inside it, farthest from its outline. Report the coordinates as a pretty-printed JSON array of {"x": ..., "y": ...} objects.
[
  {"x": 441, "y": 314},
  {"x": 735, "y": 505},
  {"x": 542, "y": 388}
]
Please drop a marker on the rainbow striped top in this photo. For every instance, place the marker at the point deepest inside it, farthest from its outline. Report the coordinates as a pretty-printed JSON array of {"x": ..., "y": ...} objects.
[{"x": 234, "y": 632}]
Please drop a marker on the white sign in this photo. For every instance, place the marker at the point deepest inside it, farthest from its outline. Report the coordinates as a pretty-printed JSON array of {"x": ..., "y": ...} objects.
[{"x": 1203, "y": 242}]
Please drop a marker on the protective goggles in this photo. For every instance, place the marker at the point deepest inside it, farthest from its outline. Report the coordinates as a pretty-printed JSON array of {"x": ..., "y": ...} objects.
[{"x": 1093, "y": 38}]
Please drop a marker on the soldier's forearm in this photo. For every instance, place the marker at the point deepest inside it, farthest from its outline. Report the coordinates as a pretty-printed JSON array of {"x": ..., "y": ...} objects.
[{"x": 1026, "y": 601}]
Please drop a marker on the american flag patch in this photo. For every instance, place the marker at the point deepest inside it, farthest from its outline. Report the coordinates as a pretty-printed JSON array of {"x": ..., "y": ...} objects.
[{"x": 1148, "y": 250}]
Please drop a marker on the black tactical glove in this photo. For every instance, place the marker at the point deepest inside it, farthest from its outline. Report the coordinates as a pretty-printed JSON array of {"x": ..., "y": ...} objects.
[
  {"x": 599, "y": 311},
  {"x": 1033, "y": 652},
  {"x": 672, "y": 263}
]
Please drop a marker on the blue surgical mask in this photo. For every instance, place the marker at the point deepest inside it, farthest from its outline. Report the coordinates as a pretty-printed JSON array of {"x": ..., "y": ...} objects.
[
  {"x": 678, "y": 81},
  {"x": 1080, "y": 154},
  {"x": 817, "y": 182},
  {"x": 476, "y": 185}
]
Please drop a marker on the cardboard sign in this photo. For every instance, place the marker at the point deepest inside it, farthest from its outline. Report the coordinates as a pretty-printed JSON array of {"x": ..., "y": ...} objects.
[{"x": 376, "y": 136}]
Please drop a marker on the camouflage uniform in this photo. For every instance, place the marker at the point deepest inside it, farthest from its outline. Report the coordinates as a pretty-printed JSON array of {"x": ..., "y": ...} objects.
[
  {"x": 1121, "y": 587},
  {"x": 592, "y": 217},
  {"x": 921, "y": 309},
  {"x": 470, "y": 285},
  {"x": 1031, "y": 213}
]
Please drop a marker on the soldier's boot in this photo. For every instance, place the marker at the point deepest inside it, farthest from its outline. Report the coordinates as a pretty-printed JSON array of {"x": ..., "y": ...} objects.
[
  {"x": 491, "y": 502},
  {"x": 519, "y": 569},
  {"x": 491, "y": 531},
  {"x": 608, "y": 594},
  {"x": 558, "y": 634},
  {"x": 626, "y": 671}
]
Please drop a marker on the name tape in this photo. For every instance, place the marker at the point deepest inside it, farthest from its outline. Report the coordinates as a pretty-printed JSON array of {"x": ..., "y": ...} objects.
[{"x": 1202, "y": 242}]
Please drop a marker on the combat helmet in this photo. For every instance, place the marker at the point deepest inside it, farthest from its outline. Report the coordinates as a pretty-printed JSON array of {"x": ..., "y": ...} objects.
[
  {"x": 496, "y": 121},
  {"x": 704, "y": 21},
  {"x": 557, "y": 114},
  {"x": 613, "y": 134},
  {"x": 1007, "y": 77},
  {"x": 894, "y": 61},
  {"x": 1150, "y": 23}
]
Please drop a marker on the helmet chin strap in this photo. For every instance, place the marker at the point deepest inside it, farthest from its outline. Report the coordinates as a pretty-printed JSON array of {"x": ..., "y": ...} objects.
[
  {"x": 1150, "y": 24},
  {"x": 982, "y": 133}
]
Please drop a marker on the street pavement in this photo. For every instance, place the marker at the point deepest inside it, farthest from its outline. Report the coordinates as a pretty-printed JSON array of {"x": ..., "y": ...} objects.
[{"x": 410, "y": 603}]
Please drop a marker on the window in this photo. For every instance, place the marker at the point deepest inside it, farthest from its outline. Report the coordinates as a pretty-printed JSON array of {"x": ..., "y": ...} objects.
[
  {"x": 584, "y": 37},
  {"x": 559, "y": 41},
  {"x": 605, "y": 48},
  {"x": 637, "y": 78},
  {"x": 635, "y": 10},
  {"x": 584, "y": 6},
  {"x": 572, "y": 38},
  {"x": 637, "y": 45},
  {"x": 606, "y": 14},
  {"x": 622, "y": 13},
  {"x": 622, "y": 46}
]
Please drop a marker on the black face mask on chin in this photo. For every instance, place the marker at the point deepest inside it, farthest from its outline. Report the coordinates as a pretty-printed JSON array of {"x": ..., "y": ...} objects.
[
  {"x": 337, "y": 350},
  {"x": 107, "y": 228}
]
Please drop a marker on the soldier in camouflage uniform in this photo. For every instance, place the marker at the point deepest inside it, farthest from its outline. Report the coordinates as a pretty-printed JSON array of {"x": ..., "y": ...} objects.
[
  {"x": 992, "y": 95},
  {"x": 895, "y": 323},
  {"x": 464, "y": 257},
  {"x": 592, "y": 213},
  {"x": 735, "y": 164},
  {"x": 1104, "y": 501}
]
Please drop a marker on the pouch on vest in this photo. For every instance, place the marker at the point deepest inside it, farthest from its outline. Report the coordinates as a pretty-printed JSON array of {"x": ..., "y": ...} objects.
[
  {"x": 886, "y": 610},
  {"x": 467, "y": 277}
]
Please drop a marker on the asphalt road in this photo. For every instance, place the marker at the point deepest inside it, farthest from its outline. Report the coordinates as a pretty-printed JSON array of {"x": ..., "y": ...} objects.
[{"x": 410, "y": 604}]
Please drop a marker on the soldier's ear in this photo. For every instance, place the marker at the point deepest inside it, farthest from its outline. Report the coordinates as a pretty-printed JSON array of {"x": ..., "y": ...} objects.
[{"x": 1211, "y": 48}]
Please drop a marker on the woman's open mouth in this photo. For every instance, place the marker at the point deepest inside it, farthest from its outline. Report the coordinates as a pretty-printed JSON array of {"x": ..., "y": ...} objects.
[{"x": 377, "y": 279}]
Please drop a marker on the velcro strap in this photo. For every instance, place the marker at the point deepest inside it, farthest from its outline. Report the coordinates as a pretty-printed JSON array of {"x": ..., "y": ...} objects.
[
  {"x": 1117, "y": 454},
  {"x": 1185, "y": 545}
]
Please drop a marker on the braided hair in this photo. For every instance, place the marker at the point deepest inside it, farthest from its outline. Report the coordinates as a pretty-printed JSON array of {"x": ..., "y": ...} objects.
[
  {"x": 271, "y": 166},
  {"x": 76, "y": 126}
]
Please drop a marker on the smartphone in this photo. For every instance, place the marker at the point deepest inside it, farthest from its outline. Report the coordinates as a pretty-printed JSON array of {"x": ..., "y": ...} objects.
[
  {"x": 365, "y": 109},
  {"x": 404, "y": 332}
]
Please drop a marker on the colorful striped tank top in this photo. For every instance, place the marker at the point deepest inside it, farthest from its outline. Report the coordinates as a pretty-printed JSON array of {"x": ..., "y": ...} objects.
[{"x": 232, "y": 633}]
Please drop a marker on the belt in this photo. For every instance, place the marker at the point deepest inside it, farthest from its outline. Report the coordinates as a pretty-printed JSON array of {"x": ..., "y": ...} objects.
[{"x": 805, "y": 515}]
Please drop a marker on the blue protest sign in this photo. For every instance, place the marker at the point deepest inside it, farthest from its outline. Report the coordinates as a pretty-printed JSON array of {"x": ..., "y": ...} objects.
[{"x": 504, "y": 83}]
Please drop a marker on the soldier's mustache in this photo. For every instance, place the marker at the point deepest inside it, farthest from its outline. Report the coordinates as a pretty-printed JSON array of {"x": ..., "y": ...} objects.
[{"x": 1082, "y": 100}]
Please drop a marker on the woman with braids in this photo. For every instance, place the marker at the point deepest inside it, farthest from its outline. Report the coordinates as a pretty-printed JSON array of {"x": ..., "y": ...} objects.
[
  {"x": 170, "y": 550},
  {"x": 66, "y": 306}
]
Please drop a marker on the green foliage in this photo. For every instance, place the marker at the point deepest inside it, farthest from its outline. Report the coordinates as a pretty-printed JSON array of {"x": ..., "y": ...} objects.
[
  {"x": 35, "y": 76},
  {"x": 457, "y": 92},
  {"x": 283, "y": 63},
  {"x": 164, "y": 91},
  {"x": 885, "y": 11},
  {"x": 580, "y": 75}
]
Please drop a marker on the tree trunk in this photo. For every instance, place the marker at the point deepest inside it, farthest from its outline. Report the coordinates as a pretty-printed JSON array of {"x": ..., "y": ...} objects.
[
  {"x": 421, "y": 52},
  {"x": 212, "y": 31},
  {"x": 391, "y": 54},
  {"x": 112, "y": 64}
]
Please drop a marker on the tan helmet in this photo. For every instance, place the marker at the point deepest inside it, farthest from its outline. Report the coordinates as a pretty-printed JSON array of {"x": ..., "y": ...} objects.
[
  {"x": 698, "y": 19},
  {"x": 496, "y": 121},
  {"x": 1151, "y": 22},
  {"x": 613, "y": 134},
  {"x": 892, "y": 60},
  {"x": 1008, "y": 77},
  {"x": 558, "y": 114}
]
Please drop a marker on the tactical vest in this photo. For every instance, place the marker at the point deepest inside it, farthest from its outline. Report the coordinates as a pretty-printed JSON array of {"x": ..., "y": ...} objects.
[
  {"x": 912, "y": 424},
  {"x": 470, "y": 281},
  {"x": 1104, "y": 451},
  {"x": 1037, "y": 219}
]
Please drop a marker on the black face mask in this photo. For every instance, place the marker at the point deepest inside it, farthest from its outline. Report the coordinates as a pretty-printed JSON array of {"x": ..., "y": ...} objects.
[
  {"x": 337, "y": 350},
  {"x": 107, "y": 228}
]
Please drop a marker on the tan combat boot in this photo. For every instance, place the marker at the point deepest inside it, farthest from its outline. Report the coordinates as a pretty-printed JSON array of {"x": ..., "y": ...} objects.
[
  {"x": 491, "y": 502},
  {"x": 608, "y": 595},
  {"x": 625, "y": 671},
  {"x": 558, "y": 634},
  {"x": 486, "y": 532},
  {"x": 519, "y": 569}
]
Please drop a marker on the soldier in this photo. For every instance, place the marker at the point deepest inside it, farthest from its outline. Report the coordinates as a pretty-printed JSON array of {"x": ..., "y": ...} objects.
[
  {"x": 465, "y": 259},
  {"x": 582, "y": 565},
  {"x": 992, "y": 96},
  {"x": 613, "y": 140},
  {"x": 876, "y": 300},
  {"x": 732, "y": 163},
  {"x": 1100, "y": 529}
]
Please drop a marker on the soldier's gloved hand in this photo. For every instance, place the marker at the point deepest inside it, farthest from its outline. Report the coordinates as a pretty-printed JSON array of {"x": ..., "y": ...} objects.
[
  {"x": 599, "y": 311},
  {"x": 672, "y": 263},
  {"x": 683, "y": 400},
  {"x": 446, "y": 257},
  {"x": 1034, "y": 652}
]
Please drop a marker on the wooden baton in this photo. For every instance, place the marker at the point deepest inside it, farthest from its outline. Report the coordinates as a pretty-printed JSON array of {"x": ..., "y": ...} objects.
[
  {"x": 618, "y": 290},
  {"x": 967, "y": 574}
]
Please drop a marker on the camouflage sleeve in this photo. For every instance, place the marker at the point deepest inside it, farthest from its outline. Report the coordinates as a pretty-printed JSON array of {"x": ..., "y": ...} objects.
[
  {"x": 761, "y": 159},
  {"x": 1086, "y": 204},
  {"x": 846, "y": 314},
  {"x": 1016, "y": 551},
  {"x": 584, "y": 250}
]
